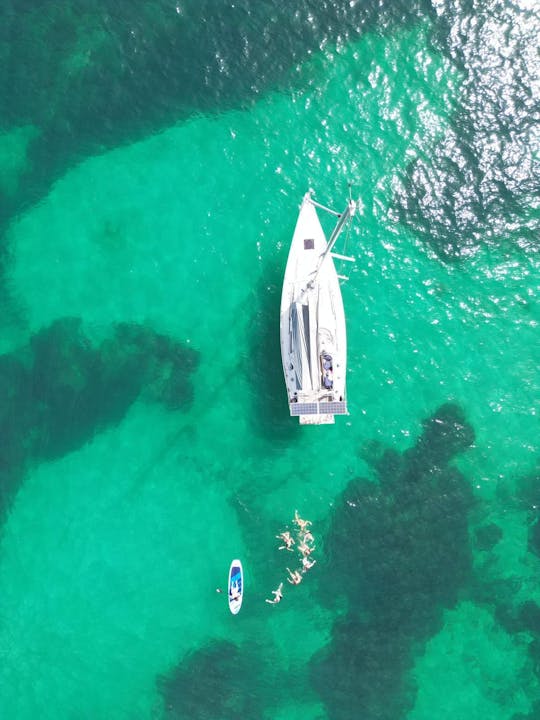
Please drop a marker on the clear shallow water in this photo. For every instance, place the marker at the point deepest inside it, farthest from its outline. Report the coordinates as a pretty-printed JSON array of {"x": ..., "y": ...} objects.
[{"x": 124, "y": 507}]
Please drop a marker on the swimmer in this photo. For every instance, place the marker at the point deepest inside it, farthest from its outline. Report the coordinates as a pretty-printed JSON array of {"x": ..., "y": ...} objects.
[
  {"x": 295, "y": 577},
  {"x": 277, "y": 595},
  {"x": 305, "y": 550},
  {"x": 302, "y": 524},
  {"x": 287, "y": 539},
  {"x": 307, "y": 564},
  {"x": 307, "y": 537}
]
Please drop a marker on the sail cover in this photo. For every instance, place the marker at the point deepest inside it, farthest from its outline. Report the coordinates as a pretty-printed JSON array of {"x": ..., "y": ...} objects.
[{"x": 300, "y": 346}]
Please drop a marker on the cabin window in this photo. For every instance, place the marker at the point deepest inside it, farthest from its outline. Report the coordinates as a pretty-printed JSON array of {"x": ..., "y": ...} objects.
[{"x": 309, "y": 244}]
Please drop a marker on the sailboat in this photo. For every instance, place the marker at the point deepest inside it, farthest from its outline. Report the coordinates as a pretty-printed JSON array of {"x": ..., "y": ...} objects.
[{"x": 312, "y": 319}]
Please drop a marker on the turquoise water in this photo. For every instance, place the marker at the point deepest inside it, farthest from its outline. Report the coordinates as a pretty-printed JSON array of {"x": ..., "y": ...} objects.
[{"x": 144, "y": 420}]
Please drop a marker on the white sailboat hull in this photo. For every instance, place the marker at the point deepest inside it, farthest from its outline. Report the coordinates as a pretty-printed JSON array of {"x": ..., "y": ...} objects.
[{"x": 312, "y": 326}]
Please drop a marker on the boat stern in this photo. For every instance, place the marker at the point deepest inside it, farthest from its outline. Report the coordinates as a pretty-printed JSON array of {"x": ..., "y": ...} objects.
[{"x": 317, "y": 413}]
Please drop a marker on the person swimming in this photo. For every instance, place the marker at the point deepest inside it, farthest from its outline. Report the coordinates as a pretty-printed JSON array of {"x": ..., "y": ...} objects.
[
  {"x": 305, "y": 549},
  {"x": 277, "y": 595},
  {"x": 302, "y": 524},
  {"x": 295, "y": 577},
  {"x": 307, "y": 564},
  {"x": 287, "y": 539},
  {"x": 307, "y": 537}
]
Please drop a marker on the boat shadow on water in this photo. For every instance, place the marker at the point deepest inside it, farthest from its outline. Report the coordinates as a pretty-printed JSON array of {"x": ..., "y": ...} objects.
[{"x": 264, "y": 371}]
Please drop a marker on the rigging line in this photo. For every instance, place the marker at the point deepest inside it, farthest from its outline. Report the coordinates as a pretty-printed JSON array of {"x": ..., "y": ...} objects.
[{"x": 347, "y": 233}]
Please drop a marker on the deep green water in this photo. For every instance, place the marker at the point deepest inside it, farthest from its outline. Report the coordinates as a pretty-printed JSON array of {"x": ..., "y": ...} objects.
[{"x": 152, "y": 168}]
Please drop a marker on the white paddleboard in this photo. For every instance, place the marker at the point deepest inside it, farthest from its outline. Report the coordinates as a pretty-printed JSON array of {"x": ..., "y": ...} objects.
[{"x": 235, "y": 586}]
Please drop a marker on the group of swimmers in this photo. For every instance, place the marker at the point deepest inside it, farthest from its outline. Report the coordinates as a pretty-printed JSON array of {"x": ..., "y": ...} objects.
[{"x": 304, "y": 545}]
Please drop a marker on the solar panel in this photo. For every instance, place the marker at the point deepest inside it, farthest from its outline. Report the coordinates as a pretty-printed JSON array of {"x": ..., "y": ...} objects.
[
  {"x": 304, "y": 409},
  {"x": 323, "y": 408},
  {"x": 335, "y": 408}
]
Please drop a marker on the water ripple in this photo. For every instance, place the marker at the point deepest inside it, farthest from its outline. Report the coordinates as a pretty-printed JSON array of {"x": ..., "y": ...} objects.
[{"x": 482, "y": 182}]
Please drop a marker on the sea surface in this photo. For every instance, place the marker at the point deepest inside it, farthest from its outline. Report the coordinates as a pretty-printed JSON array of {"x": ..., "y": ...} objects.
[{"x": 153, "y": 157}]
